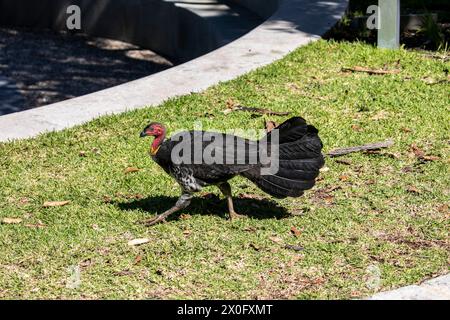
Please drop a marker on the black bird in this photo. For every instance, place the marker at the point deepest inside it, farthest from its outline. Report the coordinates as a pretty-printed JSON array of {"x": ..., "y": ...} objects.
[{"x": 299, "y": 160}]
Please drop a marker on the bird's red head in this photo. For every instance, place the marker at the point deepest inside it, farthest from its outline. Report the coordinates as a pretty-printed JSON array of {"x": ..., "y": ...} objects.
[
  {"x": 153, "y": 129},
  {"x": 156, "y": 130}
]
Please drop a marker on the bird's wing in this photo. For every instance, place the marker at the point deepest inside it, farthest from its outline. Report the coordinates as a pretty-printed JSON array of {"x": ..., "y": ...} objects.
[{"x": 212, "y": 156}]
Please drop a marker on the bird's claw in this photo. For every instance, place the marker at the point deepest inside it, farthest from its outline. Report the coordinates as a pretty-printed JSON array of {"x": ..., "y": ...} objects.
[
  {"x": 151, "y": 222},
  {"x": 235, "y": 216}
]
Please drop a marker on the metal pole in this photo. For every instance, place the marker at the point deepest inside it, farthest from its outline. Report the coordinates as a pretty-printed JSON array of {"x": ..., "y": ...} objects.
[{"x": 389, "y": 22}]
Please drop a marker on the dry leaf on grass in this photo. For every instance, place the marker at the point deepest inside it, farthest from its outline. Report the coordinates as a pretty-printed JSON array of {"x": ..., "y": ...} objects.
[
  {"x": 104, "y": 251},
  {"x": 329, "y": 199},
  {"x": 443, "y": 57},
  {"x": 419, "y": 153},
  {"x": 430, "y": 81},
  {"x": 294, "y": 260},
  {"x": 380, "y": 115},
  {"x": 24, "y": 201},
  {"x": 11, "y": 220},
  {"x": 38, "y": 225},
  {"x": 138, "y": 259},
  {"x": 107, "y": 199},
  {"x": 270, "y": 125},
  {"x": 383, "y": 154},
  {"x": 138, "y": 242},
  {"x": 230, "y": 103},
  {"x": 49, "y": 204},
  {"x": 324, "y": 195},
  {"x": 392, "y": 155},
  {"x": 295, "y": 231},
  {"x": 344, "y": 161},
  {"x": 413, "y": 189},
  {"x": 131, "y": 170},
  {"x": 331, "y": 189},
  {"x": 254, "y": 246},
  {"x": 407, "y": 169},
  {"x": 292, "y": 86},
  {"x": 122, "y": 273},
  {"x": 443, "y": 208},
  {"x": 85, "y": 263},
  {"x": 205, "y": 115},
  {"x": 430, "y": 158},
  {"x": 276, "y": 240},
  {"x": 251, "y": 196}
]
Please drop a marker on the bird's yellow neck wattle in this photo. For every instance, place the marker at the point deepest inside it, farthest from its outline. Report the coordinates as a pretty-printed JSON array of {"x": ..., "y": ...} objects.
[
  {"x": 156, "y": 144},
  {"x": 154, "y": 150}
]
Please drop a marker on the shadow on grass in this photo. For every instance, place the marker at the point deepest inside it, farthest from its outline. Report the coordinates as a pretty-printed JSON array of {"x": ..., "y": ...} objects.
[{"x": 211, "y": 205}]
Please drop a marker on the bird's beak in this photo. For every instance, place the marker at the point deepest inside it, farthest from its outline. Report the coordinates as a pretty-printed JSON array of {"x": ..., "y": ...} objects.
[{"x": 143, "y": 134}]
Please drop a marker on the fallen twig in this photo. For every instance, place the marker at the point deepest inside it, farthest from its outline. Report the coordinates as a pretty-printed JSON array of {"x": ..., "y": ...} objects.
[
  {"x": 294, "y": 247},
  {"x": 370, "y": 71},
  {"x": 433, "y": 82},
  {"x": 366, "y": 147},
  {"x": 444, "y": 58},
  {"x": 260, "y": 110}
]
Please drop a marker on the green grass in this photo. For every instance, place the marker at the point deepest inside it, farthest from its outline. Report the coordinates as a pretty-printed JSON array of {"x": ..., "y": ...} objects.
[{"x": 369, "y": 222}]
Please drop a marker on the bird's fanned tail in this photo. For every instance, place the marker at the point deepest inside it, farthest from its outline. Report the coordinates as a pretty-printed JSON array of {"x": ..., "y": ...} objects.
[{"x": 300, "y": 158}]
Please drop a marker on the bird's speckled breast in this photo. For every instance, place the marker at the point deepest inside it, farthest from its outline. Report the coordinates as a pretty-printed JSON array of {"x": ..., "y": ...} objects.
[{"x": 185, "y": 177}]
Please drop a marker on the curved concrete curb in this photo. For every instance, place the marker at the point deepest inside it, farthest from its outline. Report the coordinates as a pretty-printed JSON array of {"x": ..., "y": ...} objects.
[
  {"x": 263, "y": 8},
  {"x": 434, "y": 289},
  {"x": 296, "y": 23}
]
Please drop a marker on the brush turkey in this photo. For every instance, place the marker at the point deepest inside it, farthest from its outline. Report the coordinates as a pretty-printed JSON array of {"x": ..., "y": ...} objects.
[{"x": 299, "y": 151}]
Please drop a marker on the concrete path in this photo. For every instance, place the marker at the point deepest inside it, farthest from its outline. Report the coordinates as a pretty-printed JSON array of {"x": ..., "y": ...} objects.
[
  {"x": 10, "y": 98},
  {"x": 435, "y": 289}
]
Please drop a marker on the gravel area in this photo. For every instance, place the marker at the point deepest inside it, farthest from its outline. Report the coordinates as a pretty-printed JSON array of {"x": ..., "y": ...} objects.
[{"x": 47, "y": 67}]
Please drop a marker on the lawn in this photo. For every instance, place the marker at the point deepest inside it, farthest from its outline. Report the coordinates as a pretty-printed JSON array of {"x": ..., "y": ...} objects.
[{"x": 374, "y": 221}]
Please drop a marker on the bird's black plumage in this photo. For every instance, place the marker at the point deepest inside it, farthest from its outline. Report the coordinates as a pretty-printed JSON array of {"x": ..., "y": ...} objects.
[{"x": 300, "y": 158}]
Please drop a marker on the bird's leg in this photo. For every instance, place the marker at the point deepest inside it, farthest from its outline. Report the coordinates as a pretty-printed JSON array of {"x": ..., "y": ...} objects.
[
  {"x": 226, "y": 190},
  {"x": 182, "y": 203}
]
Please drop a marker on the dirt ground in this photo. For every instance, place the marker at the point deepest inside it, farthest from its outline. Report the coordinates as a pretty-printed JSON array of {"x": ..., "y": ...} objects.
[{"x": 48, "y": 67}]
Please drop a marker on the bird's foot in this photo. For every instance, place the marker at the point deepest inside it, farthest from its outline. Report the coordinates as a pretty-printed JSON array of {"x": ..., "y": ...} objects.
[
  {"x": 153, "y": 221},
  {"x": 235, "y": 216},
  {"x": 182, "y": 203}
]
